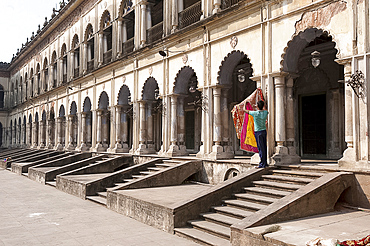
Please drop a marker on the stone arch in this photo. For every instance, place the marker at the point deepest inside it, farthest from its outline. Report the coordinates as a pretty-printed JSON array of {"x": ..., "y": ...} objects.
[
  {"x": 124, "y": 95},
  {"x": 184, "y": 77},
  {"x": 105, "y": 20},
  {"x": 43, "y": 115},
  {"x": 37, "y": 117},
  {"x": 229, "y": 64},
  {"x": 30, "y": 118},
  {"x": 73, "y": 108},
  {"x": 291, "y": 53},
  {"x": 19, "y": 130},
  {"x": 63, "y": 50},
  {"x": 75, "y": 42},
  {"x": 45, "y": 63},
  {"x": 1, "y": 96},
  {"x": 103, "y": 102},
  {"x": 86, "y": 105},
  {"x": 62, "y": 111},
  {"x": 149, "y": 88},
  {"x": 125, "y": 7},
  {"x": 89, "y": 32},
  {"x": 54, "y": 56},
  {"x": 24, "y": 129}
]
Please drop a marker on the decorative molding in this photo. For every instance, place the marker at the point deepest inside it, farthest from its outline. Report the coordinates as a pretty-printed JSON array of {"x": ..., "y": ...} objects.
[
  {"x": 185, "y": 58},
  {"x": 234, "y": 41},
  {"x": 150, "y": 70}
]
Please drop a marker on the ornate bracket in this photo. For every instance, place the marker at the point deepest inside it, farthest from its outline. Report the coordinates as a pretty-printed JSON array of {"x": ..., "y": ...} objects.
[{"x": 357, "y": 82}]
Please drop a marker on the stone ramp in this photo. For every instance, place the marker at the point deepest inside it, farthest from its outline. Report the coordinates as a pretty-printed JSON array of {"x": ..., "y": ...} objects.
[
  {"x": 8, "y": 158},
  {"x": 47, "y": 171},
  {"x": 77, "y": 181},
  {"x": 343, "y": 224},
  {"x": 272, "y": 197},
  {"x": 22, "y": 167}
]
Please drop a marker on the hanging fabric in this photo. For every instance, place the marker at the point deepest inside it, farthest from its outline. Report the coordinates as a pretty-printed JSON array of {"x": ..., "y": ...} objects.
[{"x": 244, "y": 123}]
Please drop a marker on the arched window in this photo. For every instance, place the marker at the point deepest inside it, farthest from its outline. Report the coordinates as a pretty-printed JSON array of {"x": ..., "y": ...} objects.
[
  {"x": 38, "y": 78},
  {"x": 76, "y": 56},
  {"x": 46, "y": 74},
  {"x": 127, "y": 15},
  {"x": 106, "y": 28},
  {"x": 54, "y": 64},
  {"x": 64, "y": 57},
  {"x": 89, "y": 38},
  {"x": 155, "y": 21},
  {"x": 1, "y": 96},
  {"x": 31, "y": 83}
]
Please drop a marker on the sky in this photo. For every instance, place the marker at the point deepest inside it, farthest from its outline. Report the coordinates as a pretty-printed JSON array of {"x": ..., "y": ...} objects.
[{"x": 18, "y": 19}]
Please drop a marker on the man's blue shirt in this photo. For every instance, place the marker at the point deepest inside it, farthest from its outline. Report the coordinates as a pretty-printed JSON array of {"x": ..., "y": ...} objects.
[{"x": 259, "y": 117}]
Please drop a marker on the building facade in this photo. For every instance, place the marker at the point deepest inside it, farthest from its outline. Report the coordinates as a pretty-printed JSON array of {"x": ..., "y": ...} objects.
[{"x": 162, "y": 76}]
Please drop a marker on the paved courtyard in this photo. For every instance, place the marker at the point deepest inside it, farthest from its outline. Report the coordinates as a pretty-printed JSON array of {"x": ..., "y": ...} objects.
[{"x": 35, "y": 214}]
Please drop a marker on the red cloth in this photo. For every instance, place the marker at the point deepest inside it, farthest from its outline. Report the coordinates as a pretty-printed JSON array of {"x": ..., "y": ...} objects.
[
  {"x": 241, "y": 120},
  {"x": 363, "y": 242}
]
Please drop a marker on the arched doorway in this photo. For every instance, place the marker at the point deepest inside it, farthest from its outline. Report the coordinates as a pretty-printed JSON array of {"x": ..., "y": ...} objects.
[
  {"x": 189, "y": 110},
  {"x": 24, "y": 140},
  {"x": 30, "y": 133},
  {"x": 36, "y": 131},
  {"x": 234, "y": 78},
  {"x": 51, "y": 129},
  {"x": 14, "y": 143},
  {"x": 124, "y": 119},
  {"x": 19, "y": 134},
  {"x": 103, "y": 123},
  {"x": 318, "y": 98}
]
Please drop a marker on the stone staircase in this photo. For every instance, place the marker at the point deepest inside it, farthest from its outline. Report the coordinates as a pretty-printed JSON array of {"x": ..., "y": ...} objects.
[
  {"x": 213, "y": 227},
  {"x": 101, "y": 197}
]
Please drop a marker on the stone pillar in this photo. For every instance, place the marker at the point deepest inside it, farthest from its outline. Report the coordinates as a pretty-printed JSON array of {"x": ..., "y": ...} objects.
[
  {"x": 216, "y": 6},
  {"x": 281, "y": 155},
  {"x": 42, "y": 134},
  {"x": 225, "y": 114},
  {"x": 142, "y": 121},
  {"x": 181, "y": 126},
  {"x": 51, "y": 77},
  {"x": 175, "y": 16},
  {"x": 217, "y": 149},
  {"x": 100, "y": 49},
  {"x": 118, "y": 140},
  {"x": 150, "y": 128},
  {"x": 70, "y": 145},
  {"x": 124, "y": 127},
  {"x": 174, "y": 148},
  {"x": 119, "y": 38},
  {"x": 83, "y": 146},
  {"x": 105, "y": 127},
  {"x": 85, "y": 58},
  {"x": 99, "y": 146},
  {"x": 59, "y": 145},
  {"x": 72, "y": 66},
  {"x": 349, "y": 155},
  {"x": 290, "y": 128},
  {"x": 143, "y": 24},
  {"x": 50, "y": 144}
]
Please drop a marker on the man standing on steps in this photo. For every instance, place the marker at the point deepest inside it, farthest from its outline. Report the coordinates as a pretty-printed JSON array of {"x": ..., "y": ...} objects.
[{"x": 259, "y": 118}]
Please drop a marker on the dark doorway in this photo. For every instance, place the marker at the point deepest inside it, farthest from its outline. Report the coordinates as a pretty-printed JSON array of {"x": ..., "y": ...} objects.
[
  {"x": 313, "y": 125},
  {"x": 189, "y": 129}
]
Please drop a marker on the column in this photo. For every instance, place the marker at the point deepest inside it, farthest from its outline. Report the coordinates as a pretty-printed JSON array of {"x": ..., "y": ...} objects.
[
  {"x": 281, "y": 151},
  {"x": 225, "y": 114},
  {"x": 84, "y": 58},
  {"x": 142, "y": 121},
  {"x": 118, "y": 145},
  {"x": 100, "y": 49},
  {"x": 290, "y": 127},
  {"x": 59, "y": 145},
  {"x": 181, "y": 125},
  {"x": 70, "y": 145},
  {"x": 83, "y": 146},
  {"x": 150, "y": 129},
  {"x": 143, "y": 24},
  {"x": 105, "y": 127},
  {"x": 349, "y": 154},
  {"x": 72, "y": 66},
  {"x": 119, "y": 38},
  {"x": 41, "y": 134},
  {"x": 175, "y": 16},
  {"x": 216, "y": 6},
  {"x": 99, "y": 146},
  {"x": 51, "y": 77},
  {"x": 124, "y": 127},
  {"x": 217, "y": 149},
  {"x": 174, "y": 148}
]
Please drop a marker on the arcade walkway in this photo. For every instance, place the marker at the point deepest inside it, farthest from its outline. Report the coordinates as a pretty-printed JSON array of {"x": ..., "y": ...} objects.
[{"x": 34, "y": 214}]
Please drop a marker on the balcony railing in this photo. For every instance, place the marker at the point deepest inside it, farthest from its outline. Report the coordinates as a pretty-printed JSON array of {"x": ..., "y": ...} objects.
[
  {"x": 76, "y": 72},
  {"x": 190, "y": 15},
  {"x": 64, "y": 78},
  {"x": 90, "y": 66},
  {"x": 154, "y": 33},
  {"x": 128, "y": 46},
  {"x": 228, "y": 3},
  {"x": 107, "y": 57}
]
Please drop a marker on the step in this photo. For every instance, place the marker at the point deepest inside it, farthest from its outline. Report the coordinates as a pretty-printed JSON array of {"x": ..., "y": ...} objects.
[
  {"x": 102, "y": 194},
  {"x": 201, "y": 237},
  {"x": 138, "y": 176},
  {"x": 232, "y": 211},
  {"x": 279, "y": 178},
  {"x": 173, "y": 162},
  {"x": 212, "y": 228},
  {"x": 25, "y": 174},
  {"x": 277, "y": 185},
  {"x": 52, "y": 183},
  {"x": 220, "y": 218},
  {"x": 155, "y": 169},
  {"x": 118, "y": 184},
  {"x": 298, "y": 173},
  {"x": 163, "y": 165},
  {"x": 98, "y": 199},
  {"x": 146, "y": 172},
  {"x": 269, "y": 192},
  {"x": 128, "y": 180},
  {"x": 257, "y": 198},
  {"x": 244, "y": 204}
]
